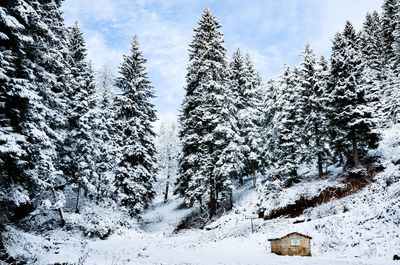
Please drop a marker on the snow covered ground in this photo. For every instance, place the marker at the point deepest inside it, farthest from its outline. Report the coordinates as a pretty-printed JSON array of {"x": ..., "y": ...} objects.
[
  {"x": 156, "y": 244},
  {"x": 193, "y": 248},
  {"x": 360, "y": 229},
  {"x": 229, "y": 241}
]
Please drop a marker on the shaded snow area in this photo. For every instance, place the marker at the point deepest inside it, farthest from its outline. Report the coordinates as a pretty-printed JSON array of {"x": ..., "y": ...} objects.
[
  {"x": 360, "y": 229},
  {"x": 164, "y": 217}
]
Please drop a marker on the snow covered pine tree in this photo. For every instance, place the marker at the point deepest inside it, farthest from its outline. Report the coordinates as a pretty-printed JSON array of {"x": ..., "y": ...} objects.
[
  {"x": 208, "y": 124},
  {"x": 79, "y": 146},
  {"x": 312, "y": 108},
  {"x": 286, "y": 147},
  {"x": 351, "y": 119},
  {"x": 31, "y": 55},
  {"x": 136, "y": 169},
  {"x": 245, "y": 85}
]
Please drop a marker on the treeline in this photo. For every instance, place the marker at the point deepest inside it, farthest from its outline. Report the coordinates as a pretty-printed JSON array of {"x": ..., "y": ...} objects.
[
  {"x": 63, "y": 137},
  {"x": 319, "y": 113},
  {"x": 66, "y": 136}
]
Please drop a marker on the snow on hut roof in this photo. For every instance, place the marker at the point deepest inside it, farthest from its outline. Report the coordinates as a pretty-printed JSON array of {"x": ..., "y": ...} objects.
[{"x": 273, "y": 239}]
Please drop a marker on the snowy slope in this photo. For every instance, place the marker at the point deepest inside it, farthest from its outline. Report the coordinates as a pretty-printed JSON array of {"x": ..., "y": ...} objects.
[
  {"x": 362, "y": 228},
  {"x": 365, "y": 224}
]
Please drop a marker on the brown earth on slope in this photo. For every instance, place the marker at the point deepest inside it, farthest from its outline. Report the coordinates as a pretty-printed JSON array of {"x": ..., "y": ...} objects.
[{"x": 354, "y": 182}]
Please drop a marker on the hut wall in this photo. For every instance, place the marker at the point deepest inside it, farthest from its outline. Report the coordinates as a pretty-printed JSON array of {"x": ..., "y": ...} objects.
[{"x": 284, "y": 246}]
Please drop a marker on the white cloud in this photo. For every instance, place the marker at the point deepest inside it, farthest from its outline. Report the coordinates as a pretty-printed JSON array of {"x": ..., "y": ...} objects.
[
  {"x": 99, "y": 53},
  {"x": 273, "y": 32},
  {"x": 90, "y": 9},
  {"x": 332, "y": 18},
  {"x": 163, "y": 42}
]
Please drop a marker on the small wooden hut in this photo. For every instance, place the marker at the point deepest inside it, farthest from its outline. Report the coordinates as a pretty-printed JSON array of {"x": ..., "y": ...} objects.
[{"x": 293, "y": 244}]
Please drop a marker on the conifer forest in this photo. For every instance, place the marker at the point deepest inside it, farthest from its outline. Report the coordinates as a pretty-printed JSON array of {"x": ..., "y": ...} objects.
[{"x": 90, "y": 173}]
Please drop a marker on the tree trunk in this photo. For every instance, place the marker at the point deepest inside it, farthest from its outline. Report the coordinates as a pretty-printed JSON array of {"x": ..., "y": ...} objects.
[
  {"x": 166, "y": 192},
  {"x": 241, "y": 182},
  {"x": 230, "y": 200},
  {"x": 200, "y": 203},
  {"x": 212, "y": 204},
  {"x": 167, "y": 186},
  {"x": 98, "y": 189},
  {"x": 77, "y": 198},
  {"x": 320, "y": 168},
  {"x": 355, "y": 153},
  {"x": 60, "y": 211},
  {"x": 318, "y": 144}
]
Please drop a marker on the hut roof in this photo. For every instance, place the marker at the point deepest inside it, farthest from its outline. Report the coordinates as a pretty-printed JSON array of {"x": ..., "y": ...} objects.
[{"x": 296, "y": 233}]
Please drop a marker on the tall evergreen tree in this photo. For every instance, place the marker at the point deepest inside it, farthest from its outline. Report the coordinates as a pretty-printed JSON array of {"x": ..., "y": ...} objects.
[
  {"x": 79, "y": 145},
  {"x": 287, "y": 140},
  {"x": 390, "y": 22},
  {"x": 206, "y": 107},
  {"x": 15, "y": 93},
  {"x": 254, "y": 95},
  {"x": 390, "y": 97},
  {"x": 245, "y": 85},
  {"x": 370, "y": 43},
  {"x": 104, "y": 120},
  {"x": 320, "y": 114},
  {"x": 271, "y": 107},
  {"x": 351, "y": 118},
  {"x": 31, "y": 63},
  {"x": 306, "y": 102},
  {"x": 52, "y": 52},
  {"x": 135, "y": 173},
  {"x": 396, "y": 36},
  {"x": 312, "y": 108},
  {"x": 168, "y": 151}
]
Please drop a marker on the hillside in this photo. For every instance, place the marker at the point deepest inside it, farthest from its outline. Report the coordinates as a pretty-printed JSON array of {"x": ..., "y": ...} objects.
[
  {"x": 128, "y": 138},
  {"x": 361, "y": 228}
]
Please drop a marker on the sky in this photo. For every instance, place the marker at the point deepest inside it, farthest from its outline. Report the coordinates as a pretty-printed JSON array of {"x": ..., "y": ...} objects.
[{"x": 273, "y": 33}]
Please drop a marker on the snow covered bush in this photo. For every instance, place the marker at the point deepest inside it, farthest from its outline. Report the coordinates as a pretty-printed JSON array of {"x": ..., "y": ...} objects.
[{"x": 98, "y": 221}]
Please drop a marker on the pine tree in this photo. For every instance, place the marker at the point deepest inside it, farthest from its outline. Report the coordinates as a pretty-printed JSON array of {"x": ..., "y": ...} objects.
[
  {"x": 337, "y": 65},
  {"x": 50, "y": 42},
  {"x": 396, "y": 37},
  {"x": 104, "y": 120},
  {"x": 306, "y": 102},
  {"x": 391, "y": 83},
  {"x": 390, "y": 97},
  {"x": 351, "y": 118},
  {"x": 168, "y": 151},
  {"x": 287, "y": 142},
  {"x": 227, "y": 155},
  {"x": 254, "y": 94},
  {"x": 207, "y": 105},
  {"x": 370, "y": 43},
  {"x": 246, "y": 88},
  {"x": 136, "y": 169},
  {"x": 30, "y": 56},
  {"x": 79, "y": 145},
  {"x": 389, "y": 24},
  {"x": 15, "y": 93},
  {"x": 320, "y": 114},
  {"x": 312, "y": 110},
  {"x": 270, "y": 109}
]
